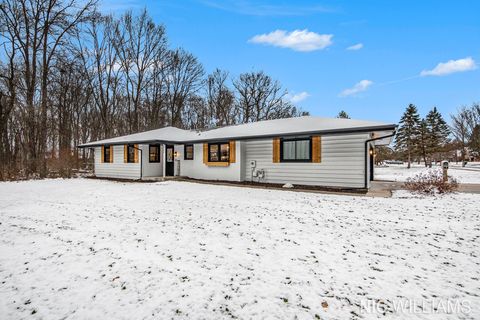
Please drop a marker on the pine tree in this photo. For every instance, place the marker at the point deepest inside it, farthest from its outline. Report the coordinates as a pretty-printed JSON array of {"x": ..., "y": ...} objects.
[
  {"x": 422, "y": 143},
  {"x": 343, "y": 115},
  {"x": 438, "y": 131},
  {"x": 406, "y": 139}
]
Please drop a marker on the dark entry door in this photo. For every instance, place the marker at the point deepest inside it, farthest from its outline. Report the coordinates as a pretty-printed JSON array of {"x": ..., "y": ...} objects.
[{"x": 169, "y": 164}]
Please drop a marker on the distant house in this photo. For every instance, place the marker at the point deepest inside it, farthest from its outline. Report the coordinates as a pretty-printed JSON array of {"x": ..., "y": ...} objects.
[{"x": 336, "y": 153}]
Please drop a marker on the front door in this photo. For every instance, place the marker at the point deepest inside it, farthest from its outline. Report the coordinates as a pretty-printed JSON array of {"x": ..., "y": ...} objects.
[{"x": 169, "y": 164}]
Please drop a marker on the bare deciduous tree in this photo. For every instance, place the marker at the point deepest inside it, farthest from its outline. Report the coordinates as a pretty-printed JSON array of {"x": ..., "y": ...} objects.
[
  {"x": 461, "y": 129},
  {"x": 69, "y": 74},
  {"x": 220, "y": 99},
  {"x": 101, "y": 68},
  {"x": 185, "y": 78},
  {"x": 139, "y": 43},
  {"x": 261, "y": 98}
]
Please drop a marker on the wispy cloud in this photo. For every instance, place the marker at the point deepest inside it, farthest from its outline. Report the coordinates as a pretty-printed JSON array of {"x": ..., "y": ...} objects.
[
  {"x": 451, "y": 66},
  {"x": 298, "y": 40},
  {"x": 261, "y": 8},
  {"x": 355, "y": 47},
  {"x": 296, "y": 98},
  {"x": 358, "y": 87}
]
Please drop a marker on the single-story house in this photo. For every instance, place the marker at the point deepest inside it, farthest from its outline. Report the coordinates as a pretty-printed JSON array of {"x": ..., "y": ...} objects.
[{"x": 328, "y": 152}]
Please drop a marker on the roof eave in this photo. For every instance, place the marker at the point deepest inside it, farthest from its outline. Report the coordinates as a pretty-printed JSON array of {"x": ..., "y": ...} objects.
[{"x": 386, "y": 127}]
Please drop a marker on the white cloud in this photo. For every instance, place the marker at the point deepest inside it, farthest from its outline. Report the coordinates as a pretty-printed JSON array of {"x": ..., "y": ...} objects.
[
  {"x": 358, "y": 87},
  {"x": 355, "y": 47},
  {"x": 298, "y": 40},
  {"x": 296, "y": 98},
  {"x": 451, "y": 66}
]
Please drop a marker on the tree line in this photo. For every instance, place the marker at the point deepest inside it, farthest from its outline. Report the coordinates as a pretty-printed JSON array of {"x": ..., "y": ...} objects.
[
  {"x": 69, "y": 74},
  {"x": 427, "y": 139}
]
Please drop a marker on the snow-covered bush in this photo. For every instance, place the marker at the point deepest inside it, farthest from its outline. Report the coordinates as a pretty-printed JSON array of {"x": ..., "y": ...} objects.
[{"x": 431, "y": 182}]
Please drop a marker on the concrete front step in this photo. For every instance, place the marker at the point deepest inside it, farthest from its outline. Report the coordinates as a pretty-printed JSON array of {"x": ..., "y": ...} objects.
[{"x": 159, "y": 179}]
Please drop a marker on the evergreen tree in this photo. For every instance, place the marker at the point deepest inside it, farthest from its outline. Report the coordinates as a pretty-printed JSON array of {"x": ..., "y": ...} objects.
[
  {"x": 406, "y": 140},
  {"x": 438, "y": 131},
  {"x": 423, "y": 140},
  {"x": 343, "y": 115}
]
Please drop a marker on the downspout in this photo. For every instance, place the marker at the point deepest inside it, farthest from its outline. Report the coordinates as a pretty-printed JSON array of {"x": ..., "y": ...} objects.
[
  {"x": 366, "y": 154},
  {"x": 141, "y": 161}
]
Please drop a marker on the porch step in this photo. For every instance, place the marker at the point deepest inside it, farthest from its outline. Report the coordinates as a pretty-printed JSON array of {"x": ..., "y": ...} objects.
[{"x": 159, "y": 179}]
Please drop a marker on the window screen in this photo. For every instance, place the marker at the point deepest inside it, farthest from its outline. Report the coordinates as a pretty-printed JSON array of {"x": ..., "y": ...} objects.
[
  {"x": 218, "y": 152},
  {"x": 297, "y": 149}
]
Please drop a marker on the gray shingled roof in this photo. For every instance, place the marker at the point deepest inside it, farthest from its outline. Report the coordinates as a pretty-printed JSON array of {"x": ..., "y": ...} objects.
[{"x": 267, "y": 128}]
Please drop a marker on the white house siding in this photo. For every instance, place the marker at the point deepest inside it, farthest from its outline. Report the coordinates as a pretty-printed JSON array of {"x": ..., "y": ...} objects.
[
  {"x": 120, "y": 169},
  {"x": 154, "y": 169},
  {"x": 196, "y": 169},
  {"x": 343, "y": 163}
]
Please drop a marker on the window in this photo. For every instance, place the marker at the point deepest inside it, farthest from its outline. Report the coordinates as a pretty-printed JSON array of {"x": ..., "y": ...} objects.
[
  {"x": 188, "y": 152},
  {"x": 296, "y": 149},
  {"x": 219, "y": 152},
  {"x": 131, "y": 153},
  {"x": 170, "y": 154},
  {"x": 106, "y": 154},
  {"x": 154, "y": 153}
]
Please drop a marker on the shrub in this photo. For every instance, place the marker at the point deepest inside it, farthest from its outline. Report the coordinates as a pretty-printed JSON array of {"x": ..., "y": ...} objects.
[{"x": 431, "y": 182}]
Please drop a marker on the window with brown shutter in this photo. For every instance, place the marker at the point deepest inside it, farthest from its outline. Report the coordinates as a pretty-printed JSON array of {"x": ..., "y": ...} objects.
[
  {"x": 316, "y": 149},
  {"x": 276, "y": 150},
  {"x": 131, "y": 153},
  {"x": 135, "y": 154},
  {"x": 297, "y": 149},
  {"x": 107, "y": 154},
  {"x": 218, "y": 154},
  {"x": 232, "y": 151},
  {"x": 205, "y": 153}
]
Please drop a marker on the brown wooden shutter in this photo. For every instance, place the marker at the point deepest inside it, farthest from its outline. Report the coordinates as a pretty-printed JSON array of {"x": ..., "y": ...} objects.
[
  {"x": 205, "y": 153},
  {"x": 111, "y": 154},
  {"x": 232, "y": 151},
  {"x": 125, "y": 153},
  {"x": 102, "y": 150},
  {"x": 316, "y": 149},
  {"x": 276, "y": 150},
  {"x": 135, "y": 157}
]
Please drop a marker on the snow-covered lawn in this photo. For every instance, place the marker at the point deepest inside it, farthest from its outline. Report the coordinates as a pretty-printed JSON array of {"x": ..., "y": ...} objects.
[
  {"x": 395, "y": 172},
  {"x": 91, "y": 249}
]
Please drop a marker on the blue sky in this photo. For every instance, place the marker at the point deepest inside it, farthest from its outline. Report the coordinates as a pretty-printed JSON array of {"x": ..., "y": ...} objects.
[{"x": 303, "y": 44}]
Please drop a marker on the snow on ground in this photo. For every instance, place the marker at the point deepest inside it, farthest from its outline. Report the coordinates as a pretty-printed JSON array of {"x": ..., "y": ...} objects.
[
  {"x": 92, "y": 249},
  {"x": 400, "y": 172}
]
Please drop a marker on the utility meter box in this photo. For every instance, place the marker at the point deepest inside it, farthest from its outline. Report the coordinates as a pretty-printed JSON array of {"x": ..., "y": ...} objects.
[
  {"x": 261, "y": 174},
  {"x": 445, "y": 164},
  {"x": 253, "y": 163}
]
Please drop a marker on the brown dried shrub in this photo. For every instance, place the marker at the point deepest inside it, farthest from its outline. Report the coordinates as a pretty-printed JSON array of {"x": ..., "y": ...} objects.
[{"x": 431, "y": 182}]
